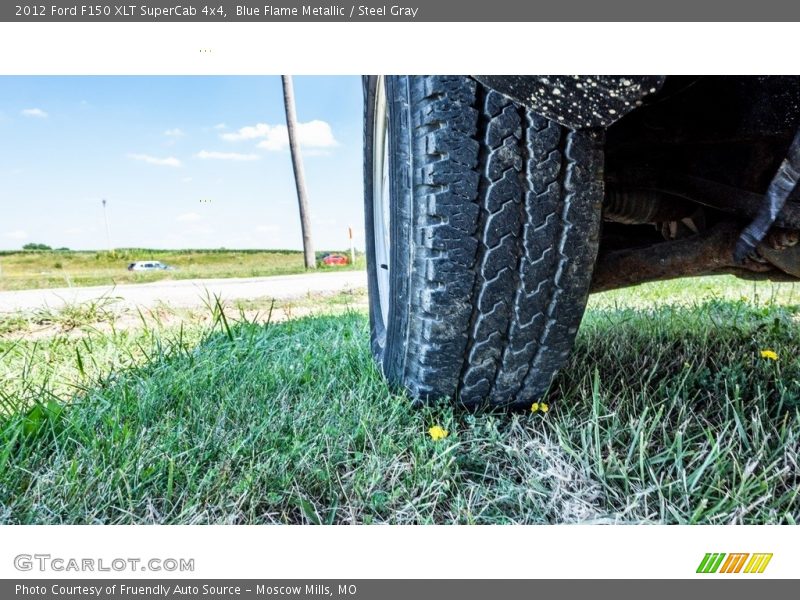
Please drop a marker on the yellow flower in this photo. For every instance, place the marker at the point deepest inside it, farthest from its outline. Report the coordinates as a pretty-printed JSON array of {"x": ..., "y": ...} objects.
[
  {"x": 544, "y": 407},
  {"x": 770, "y": 354},
  {"x": 438, "y": 433},
  {"x": 535, "y": 407}
]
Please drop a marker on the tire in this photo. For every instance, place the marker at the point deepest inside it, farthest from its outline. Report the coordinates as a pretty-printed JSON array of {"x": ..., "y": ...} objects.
[{"x": 482, "y": 232}]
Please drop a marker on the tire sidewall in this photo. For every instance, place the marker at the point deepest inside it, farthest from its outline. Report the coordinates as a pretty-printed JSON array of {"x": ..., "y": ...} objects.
[{"x": 389, "y": 340}]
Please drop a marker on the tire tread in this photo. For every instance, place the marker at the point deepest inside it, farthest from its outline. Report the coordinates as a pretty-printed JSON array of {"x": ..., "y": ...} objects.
[{"x": 506, "y": 213}]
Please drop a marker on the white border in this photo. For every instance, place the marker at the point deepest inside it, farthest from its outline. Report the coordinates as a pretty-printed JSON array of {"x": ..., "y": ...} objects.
[
  {"x": 356, "y": 48},
  {"x": 372, "y": 552}
]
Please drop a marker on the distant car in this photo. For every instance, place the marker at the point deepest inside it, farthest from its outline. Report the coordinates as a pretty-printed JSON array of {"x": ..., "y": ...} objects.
[
  {"x": 150, "y": 265},
  {"x": 334, "y": 260}
]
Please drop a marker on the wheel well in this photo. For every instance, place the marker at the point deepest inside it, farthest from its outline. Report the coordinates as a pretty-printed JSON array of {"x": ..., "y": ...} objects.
[{"x": 697, "y": 158}]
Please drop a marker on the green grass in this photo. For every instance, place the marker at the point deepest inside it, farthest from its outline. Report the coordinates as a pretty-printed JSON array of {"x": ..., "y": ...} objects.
[
  {"x": 666, "y": 413},
  {"x": 55, "y": 269}
]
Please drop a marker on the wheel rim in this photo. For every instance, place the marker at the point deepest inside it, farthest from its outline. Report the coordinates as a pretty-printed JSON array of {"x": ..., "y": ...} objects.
[{"x": 380, "y": 196}]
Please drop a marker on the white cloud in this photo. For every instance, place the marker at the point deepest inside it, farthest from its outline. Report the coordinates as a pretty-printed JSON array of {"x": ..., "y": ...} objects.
[
  {"x": 188, "y": 217},
  {"x": 17, "y": 234},
  {"x": 170, "y": 161},
  {"x": 34, "y": 112},
  {"x": 314, "y": 134},
  {"x": 220, "y": 126},
  {"x": 206, "y": 155},
  {"x": 74, "y": 231},
  {"x": 174, "y": 132},
  {"x": 249, "y": 133},
  {"x": 201, "y": 230}
]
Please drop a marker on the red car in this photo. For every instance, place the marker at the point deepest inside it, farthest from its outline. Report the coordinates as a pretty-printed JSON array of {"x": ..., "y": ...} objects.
[{"x": 334, "y": 260}]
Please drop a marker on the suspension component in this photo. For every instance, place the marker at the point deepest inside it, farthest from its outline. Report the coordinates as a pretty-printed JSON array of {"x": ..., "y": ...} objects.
[
  {"x": 709, "y": 193},
  {"x": 778, "y": 191},
  {"x": 639, "y": 206},
  {"x": 708, "y": 252}
]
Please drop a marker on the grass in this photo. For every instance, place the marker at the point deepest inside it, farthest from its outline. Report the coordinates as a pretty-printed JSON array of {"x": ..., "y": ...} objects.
[
  {"x": 666, "y": 413},
  {"x": 57, "y": 269}
]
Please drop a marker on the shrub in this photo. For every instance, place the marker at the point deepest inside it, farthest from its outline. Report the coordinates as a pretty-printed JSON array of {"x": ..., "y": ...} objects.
[{"x": 34, "y": 246}]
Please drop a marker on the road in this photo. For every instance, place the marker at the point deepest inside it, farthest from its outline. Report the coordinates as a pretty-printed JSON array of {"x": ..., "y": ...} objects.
[{"x": 188, "y": 292}]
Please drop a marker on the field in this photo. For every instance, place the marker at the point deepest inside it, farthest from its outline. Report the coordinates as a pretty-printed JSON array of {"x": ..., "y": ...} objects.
[
  {"x": 58, "y": 269},
  {"x": 667, "y": 413}
]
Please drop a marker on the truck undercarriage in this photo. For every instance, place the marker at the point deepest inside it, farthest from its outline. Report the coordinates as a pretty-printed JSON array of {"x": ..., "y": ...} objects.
[{"x": 688, "y": 164}]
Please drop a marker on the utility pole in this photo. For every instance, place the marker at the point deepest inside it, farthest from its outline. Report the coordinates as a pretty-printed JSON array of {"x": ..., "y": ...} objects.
[
  {"x": 108, "y": 230},
  {"x": 299, "y": 176},
  {"x": 352, "y": 246}
]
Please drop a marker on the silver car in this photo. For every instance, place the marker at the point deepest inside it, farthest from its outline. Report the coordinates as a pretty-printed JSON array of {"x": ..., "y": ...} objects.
[{"x": 148, "y": 265}]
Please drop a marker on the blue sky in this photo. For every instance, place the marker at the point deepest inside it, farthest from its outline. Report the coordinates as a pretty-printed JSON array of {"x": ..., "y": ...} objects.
[{"x": 184, "y": 162}]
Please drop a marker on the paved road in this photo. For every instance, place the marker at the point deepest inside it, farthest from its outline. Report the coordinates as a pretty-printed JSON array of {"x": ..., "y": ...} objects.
[{"x": 188, "y": 292}]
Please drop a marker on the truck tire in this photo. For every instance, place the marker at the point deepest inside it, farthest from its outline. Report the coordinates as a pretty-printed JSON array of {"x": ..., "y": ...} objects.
[{"x": 482, "y": 228}]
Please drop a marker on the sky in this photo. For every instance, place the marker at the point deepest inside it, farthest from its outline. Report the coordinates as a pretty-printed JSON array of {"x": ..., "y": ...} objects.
[{"x": 183, "y": 162}]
